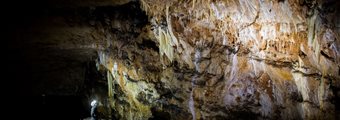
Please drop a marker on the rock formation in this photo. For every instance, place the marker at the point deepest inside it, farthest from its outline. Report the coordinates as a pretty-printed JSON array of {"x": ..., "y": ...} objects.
[{"x": 200, "y": 59}]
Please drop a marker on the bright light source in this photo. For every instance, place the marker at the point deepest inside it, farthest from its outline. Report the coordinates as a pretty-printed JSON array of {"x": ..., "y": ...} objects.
[{"x": 94, "y": 103}]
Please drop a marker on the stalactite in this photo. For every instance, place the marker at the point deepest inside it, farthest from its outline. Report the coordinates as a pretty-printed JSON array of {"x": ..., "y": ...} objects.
[
  {"x": 313, "y": 42},
  {"x": 174, "y": 41},
  {"x": 110, "y": 83},
  {"x": 316, "y": 47},
  {"x": 165, "y": 43},
  {"x": 321, "y": 91},
  {"x": 300, "y": 80},
  {"x": 311, "y": 28}
]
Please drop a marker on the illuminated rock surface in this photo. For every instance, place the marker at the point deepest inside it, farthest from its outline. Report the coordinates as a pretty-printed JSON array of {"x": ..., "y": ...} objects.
[{"x": 199, "y": 59}]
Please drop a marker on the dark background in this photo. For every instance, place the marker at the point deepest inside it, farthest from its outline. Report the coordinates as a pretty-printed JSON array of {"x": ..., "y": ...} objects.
[{"x": 28, "y": 67}]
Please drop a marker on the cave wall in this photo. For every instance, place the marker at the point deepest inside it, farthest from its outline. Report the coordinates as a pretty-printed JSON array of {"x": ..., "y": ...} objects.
[
  {"x": 231, "y": 59},
  {"x": 235, "y": 59}
]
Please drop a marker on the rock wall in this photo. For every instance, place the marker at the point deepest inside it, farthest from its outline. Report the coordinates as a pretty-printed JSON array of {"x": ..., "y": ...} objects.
[
  {"x": 199, "y": 59},
  {"x": 235, "y": 59}
]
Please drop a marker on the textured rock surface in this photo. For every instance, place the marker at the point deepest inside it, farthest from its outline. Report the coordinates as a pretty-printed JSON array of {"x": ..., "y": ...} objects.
[
  {"x": 234, "y": 59},
  {"x": 200, "y": 59}
]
